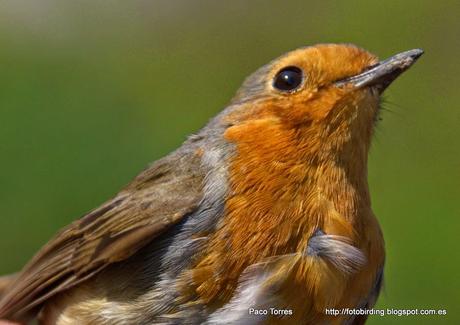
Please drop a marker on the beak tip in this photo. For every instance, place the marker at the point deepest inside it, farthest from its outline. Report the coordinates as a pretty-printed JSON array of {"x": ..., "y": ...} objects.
[
  {"x": 415, "y": 54},
  {"x": 405, "y": 59}
]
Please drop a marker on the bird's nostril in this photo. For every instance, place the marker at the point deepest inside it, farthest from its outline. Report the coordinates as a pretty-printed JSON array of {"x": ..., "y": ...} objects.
[{"x": 370, "y": 67}]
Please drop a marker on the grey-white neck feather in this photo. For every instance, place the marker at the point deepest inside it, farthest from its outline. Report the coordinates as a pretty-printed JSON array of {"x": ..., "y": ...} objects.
[{"x": 185, "y": 245}]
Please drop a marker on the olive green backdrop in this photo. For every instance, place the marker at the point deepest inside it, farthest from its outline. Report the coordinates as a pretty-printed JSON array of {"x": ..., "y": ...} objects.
[{"x": 92, "y": 91}]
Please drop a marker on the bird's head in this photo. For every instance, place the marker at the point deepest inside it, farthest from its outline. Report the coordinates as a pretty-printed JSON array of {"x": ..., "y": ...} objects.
[
  {"x": 321, "y": 100},
  {"x": 300, "y": 129}
]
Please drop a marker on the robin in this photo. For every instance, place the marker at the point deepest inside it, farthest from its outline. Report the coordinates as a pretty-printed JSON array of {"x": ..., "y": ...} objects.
[{"x": 262, "y": 217}]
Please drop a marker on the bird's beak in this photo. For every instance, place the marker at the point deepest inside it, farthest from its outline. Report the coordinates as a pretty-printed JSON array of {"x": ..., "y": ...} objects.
[{"x": 382, "y": 74}]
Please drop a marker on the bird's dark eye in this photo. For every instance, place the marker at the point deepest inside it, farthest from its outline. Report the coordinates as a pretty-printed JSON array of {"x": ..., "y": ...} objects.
[{"x": 288, "y": 79}]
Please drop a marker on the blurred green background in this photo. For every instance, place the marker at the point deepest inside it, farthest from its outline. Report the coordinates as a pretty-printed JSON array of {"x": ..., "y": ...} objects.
[{"x": 92, "y": 91}]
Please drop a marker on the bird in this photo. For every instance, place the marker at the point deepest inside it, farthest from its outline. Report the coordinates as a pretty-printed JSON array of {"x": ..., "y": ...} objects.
[{"x": 261, "y": 217}]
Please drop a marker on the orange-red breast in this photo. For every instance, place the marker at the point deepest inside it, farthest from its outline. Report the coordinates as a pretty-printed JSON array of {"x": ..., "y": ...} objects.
[{"x": 262, "y": 217}]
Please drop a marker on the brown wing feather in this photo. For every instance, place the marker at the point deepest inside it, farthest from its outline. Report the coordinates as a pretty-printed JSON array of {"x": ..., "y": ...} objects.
[
  {"x": 5, "y": 281},
  {"x": 158, "y": 198}
]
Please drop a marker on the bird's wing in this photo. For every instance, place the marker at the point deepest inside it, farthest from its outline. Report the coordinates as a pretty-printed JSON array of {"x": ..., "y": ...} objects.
[
  {"x": 5, "y": 282},
  {"x": 158, "y": 198}
]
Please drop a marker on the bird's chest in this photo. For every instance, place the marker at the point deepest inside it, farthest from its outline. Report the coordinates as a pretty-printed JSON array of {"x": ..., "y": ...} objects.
[{"x": 287, "y": 261}]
